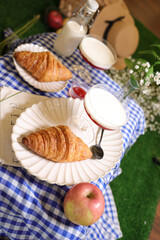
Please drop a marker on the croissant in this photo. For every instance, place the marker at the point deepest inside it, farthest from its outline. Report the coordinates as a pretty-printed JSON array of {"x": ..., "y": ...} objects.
[
  {"x": 58, "y": 144},
  {"x": 43, "y": 66}
]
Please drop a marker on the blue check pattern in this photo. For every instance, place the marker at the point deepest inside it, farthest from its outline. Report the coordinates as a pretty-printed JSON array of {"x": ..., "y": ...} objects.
[{"x": 31, "y": 209}]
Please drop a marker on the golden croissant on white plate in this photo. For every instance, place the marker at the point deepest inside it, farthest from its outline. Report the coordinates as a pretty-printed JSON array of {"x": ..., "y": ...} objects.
[
  {"x": 43, "y": 66},
  {"x": 58, "y": 144}
]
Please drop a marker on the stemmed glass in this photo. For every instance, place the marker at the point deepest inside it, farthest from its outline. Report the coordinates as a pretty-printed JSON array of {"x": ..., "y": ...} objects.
[
  {"x": 107, "y": 108},
  {"x": 97, "y": 52}
]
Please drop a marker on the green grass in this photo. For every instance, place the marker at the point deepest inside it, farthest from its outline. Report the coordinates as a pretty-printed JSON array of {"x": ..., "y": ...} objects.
[
  {"x": 136, "y": 190},
  {"x": 15, "y": 14}
]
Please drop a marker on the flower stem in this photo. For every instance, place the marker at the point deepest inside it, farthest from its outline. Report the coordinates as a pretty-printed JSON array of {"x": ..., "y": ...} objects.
[
  {"x": 3, "y": 99},
  {"x": 19, "y": 32},
  {"x": 27, "y": 25}
]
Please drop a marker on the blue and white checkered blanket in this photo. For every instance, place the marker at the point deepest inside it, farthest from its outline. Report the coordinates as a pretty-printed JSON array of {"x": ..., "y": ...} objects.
[{"x": 32, "y": 209}]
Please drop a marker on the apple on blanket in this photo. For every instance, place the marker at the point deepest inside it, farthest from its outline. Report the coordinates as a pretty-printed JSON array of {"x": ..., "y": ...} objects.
[{"x": 84, "y": 204}]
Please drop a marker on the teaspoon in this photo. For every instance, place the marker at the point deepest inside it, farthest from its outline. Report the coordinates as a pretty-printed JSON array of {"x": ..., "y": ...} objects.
[{"x": 96, "y": 149}]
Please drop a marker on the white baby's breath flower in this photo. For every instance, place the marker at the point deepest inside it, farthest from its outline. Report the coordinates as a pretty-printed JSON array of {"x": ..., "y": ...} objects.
[
  {"x": 141, "y": 81},
  {"x": 148, "y": 64},
  {"x": 158, "y": 82},
  {"x": 147, "y": 83},
  {"x": 158, "y": 74},
  {"x": 136, "y": 67},
  {"x": 151, "y": 75},
  {"x": 130, "y": 71},
  {"x": 157, "y": 79},
  {"x": 148, "y": 97}
]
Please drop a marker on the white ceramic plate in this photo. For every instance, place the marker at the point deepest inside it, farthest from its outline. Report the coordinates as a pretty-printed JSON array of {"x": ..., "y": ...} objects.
[
  {"x": 70, "y": 112},
  {"x": 44, "y": 86}
]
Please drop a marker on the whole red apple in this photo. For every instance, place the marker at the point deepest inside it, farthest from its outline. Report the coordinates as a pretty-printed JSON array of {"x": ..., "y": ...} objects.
[
  {"x": 84, "y": 204},
  {"x": 54, "y": 19}
]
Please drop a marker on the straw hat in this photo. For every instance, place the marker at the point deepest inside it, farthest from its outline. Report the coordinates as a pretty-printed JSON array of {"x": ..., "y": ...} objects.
[{"x": 115, "y": 24}]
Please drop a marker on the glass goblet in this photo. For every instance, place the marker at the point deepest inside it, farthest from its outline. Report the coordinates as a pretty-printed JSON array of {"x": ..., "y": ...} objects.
[
  {"x": 107, "y": 109},
  {"x": 97, "y": 52}
]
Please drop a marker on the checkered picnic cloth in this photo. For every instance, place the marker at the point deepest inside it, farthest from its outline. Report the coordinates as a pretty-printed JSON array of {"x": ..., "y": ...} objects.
[{"x": 31, "y": 208}]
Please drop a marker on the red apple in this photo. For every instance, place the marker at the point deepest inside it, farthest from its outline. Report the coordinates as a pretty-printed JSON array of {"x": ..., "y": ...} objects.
[
  {"x": 54, "y": 19},
  {"x": 84, "y": 204}
]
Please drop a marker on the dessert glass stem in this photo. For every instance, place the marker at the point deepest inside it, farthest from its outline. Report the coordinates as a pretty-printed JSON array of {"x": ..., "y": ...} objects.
[{"x": 129, "y": 87}]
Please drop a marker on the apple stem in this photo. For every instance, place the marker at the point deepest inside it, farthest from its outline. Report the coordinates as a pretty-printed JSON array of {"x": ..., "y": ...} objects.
[{"x": 90, "y": 195}]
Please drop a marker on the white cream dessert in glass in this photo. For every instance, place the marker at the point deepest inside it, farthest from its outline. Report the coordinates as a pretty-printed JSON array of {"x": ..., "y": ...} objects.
[
  {"x": 97, "y": 52},
  {"x": 104, "y": 108}
]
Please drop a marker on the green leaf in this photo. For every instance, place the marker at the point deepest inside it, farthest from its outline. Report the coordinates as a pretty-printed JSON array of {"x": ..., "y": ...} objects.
[
  {"x": 156, "y": 63},
  {"x": 150, "y": 52},
  {"x": 150, "y": 71},
  {"x": 141, "y": 60},
  {"x": 156, "y": 45},
  {"x": 129, "y": 63}
]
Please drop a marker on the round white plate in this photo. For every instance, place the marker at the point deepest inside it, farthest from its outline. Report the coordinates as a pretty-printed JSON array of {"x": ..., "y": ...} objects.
[
  {"x": 44, "y": 86},
  {"x": 69, "y": 112}
]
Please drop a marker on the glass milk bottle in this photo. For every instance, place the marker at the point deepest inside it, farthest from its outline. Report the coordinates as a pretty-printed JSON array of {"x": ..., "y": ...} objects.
[{"x": 75, "y": 29}]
